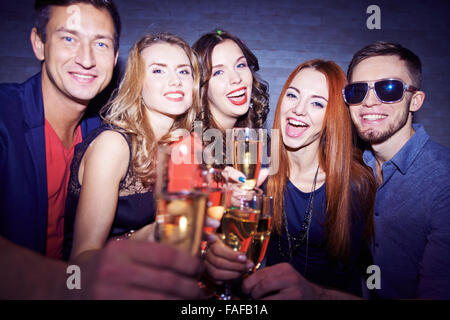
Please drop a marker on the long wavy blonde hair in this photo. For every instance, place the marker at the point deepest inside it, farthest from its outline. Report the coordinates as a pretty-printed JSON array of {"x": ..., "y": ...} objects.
[{"x": 126, "y": 110}]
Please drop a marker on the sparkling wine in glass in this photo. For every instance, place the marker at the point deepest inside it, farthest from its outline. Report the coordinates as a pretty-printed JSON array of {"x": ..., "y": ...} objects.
[
  {"x": 181, "y": 190},
  {"x": 247, "y": 153},
  {"x": 239, "y": 223},
  {"x": 260, "y": 240},
  {"x": 180, "y": 219},
  {"x": 238, "y": 227}
]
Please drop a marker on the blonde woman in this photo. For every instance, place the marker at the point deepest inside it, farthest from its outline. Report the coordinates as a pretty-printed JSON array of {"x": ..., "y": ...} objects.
[{"x": 110, "y": 187}]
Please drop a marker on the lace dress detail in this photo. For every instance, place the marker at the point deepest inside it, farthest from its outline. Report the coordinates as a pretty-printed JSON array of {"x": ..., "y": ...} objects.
[
  {"x": 135, "y": 206},
  {"x": 129, "y": 185}
]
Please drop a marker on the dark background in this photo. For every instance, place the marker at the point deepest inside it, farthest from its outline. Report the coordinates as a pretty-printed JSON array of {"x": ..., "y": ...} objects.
[{"x": 281, "y": 33}]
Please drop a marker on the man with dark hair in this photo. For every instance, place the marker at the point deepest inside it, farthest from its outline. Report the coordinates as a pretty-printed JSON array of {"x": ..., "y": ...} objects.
[
  {"x": 43, "y": 118},
  {"x": 412, "y": 222},
  {"x": 381, "y": 48},
  {"x": 43, "y": 11},
  {"x": 40, "y": 122}
]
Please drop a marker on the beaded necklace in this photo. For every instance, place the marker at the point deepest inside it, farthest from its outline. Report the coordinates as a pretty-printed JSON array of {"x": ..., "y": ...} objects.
[{"x": 297, "y": 242}]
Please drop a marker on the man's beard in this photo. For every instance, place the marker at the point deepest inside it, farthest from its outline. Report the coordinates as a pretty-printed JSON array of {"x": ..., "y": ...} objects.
[{"x": 376, "y": 137}]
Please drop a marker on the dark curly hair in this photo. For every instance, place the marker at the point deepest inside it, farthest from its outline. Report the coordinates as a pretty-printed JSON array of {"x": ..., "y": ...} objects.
[{"x": 256, "y": 116}]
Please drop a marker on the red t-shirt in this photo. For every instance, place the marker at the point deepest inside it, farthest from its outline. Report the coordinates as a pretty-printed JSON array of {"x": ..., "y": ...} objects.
[{"x": 58, "y": 172}]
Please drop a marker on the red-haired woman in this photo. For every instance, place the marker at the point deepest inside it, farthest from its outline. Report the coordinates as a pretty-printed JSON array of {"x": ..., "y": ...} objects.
[{"x": 323, "y": 193}]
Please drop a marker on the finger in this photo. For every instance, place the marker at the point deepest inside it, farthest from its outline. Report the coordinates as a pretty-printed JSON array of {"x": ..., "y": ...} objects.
[
  {"x": 234, "y": 175},
  {"x": 218, "y": 250},
  {"x": 282, "y": 278},
  {"x": 158, "y": 255},
  {"x": 209, "y": 229},
  {"x": 211, "y": 237},
  {"x": 267, "y": 286},
  {"x": 224, "y": 264},
  {"x": 220, "y": 275},
  {"x": 238, "y": 194},
  {"x": 237, "y": 191},
  {"x": 211, "y": 222},
  {"x": 165, "y": 282},
  {"x": 250, "y": 282},
  {"x": 277, "y": 271},
  {"x": 209, "y": 282}
]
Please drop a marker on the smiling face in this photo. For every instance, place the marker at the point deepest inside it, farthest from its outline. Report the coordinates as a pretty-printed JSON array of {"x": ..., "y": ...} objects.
[
  {"x": 78, "y": 55},
  {"x": 303, "y": 109},
  {"x": 230, "y": 85},
  {"x": 375, "y": 121},
  {"x": 168, "y": 83}
]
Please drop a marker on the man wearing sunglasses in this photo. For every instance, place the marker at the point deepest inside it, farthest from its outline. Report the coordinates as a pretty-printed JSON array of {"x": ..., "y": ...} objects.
[
  {"x": 412, "y": 210},
  {"x": 412, "y": 222}
]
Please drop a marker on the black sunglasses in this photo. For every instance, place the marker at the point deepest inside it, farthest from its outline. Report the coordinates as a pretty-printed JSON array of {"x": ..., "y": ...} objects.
[{"x": 387, "y": 90}]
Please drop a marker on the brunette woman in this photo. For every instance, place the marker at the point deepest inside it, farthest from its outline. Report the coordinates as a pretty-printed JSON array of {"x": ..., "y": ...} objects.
[{"x": 232, "y": 93}]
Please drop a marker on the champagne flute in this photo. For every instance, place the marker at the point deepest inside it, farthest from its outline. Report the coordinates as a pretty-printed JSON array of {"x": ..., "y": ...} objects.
[
  {"x": 218, "y": 193},
  {"x": 239, "y": 223},
  {"x": 217, "y": 201},
  {"x": 247, "y": 153},
  {"x": 181, "y": 192},
  {"x": 260, "y": 240}
]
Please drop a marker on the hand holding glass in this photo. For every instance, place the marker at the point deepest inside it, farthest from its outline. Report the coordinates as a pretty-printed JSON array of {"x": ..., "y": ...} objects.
[
  {"x": 181, "y": 192},
  {"x": 247, "y": 153}
]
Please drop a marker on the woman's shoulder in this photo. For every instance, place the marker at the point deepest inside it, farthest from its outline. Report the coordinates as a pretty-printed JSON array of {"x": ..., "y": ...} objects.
[
  {"x": 105, "y": 138},
  {"x": 103, "y": 150},
  {"x": 94, "y": 134},
  {"x": 110, "y": 142}
]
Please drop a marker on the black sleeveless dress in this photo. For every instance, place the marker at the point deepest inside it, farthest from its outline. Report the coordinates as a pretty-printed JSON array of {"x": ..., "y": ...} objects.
[{"x": 135, "y": 207}]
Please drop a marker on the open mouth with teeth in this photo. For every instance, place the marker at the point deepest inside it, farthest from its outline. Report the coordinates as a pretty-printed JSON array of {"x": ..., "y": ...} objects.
[
  {"x": 175, "y": 96},
  {"x": 84, "y": 78},
  {"x": 238, "y": 97},
  {"x": 373, "y": 117},
  {"x": 295, "y": 128}
]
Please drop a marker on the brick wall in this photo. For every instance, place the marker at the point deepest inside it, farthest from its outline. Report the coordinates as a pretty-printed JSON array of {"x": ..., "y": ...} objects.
[{"x": 281, "y": 33}]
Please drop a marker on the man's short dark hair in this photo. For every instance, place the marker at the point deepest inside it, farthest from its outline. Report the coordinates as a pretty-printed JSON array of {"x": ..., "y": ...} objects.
[
  {"x": 381, "y": 48},
  {"x": 43, "y": 7}
]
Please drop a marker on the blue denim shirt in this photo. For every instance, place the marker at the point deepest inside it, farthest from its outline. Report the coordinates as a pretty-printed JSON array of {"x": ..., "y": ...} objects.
[{"x": 412, "y": 221}]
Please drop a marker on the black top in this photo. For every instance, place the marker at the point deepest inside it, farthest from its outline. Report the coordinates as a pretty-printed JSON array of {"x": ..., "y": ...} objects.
[
  {"x": 314, "y": 263},
  {"x": 135, "y": 207}
]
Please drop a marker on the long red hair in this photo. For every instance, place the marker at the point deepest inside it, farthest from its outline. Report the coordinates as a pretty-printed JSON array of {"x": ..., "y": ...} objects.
[{"x": 348, "y": 181}]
